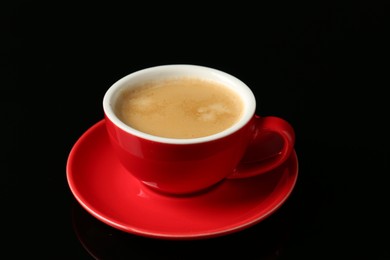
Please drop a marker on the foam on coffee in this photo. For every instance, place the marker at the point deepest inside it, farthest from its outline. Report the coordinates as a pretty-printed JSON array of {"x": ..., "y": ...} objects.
[{"x": 179, "y": 108}]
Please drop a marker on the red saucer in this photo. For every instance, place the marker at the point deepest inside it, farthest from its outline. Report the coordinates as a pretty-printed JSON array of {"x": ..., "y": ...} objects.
[{"x": 112, "y": 195}]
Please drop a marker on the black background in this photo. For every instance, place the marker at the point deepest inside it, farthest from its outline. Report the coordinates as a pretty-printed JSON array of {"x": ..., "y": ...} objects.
[{"x": 323, "y": 67}]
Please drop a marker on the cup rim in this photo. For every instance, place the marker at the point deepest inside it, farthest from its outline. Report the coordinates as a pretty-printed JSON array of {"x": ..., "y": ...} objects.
[{"x": 163, "y": 71}]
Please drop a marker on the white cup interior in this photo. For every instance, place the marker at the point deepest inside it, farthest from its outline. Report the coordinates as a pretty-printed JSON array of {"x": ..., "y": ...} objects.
[{"x": 180, "y": 70}]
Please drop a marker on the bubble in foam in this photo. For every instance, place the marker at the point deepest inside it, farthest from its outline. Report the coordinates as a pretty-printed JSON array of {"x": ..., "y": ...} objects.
[
  {"x": 211, "y": 112},
  {"x": 219, "y": 108},
  {"x": 141, "y": 103},
  {"x": 210, "y": 116}
]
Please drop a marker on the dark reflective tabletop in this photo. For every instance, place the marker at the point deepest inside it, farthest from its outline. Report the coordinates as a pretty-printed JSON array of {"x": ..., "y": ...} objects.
[{"x": 317, "y": 66}]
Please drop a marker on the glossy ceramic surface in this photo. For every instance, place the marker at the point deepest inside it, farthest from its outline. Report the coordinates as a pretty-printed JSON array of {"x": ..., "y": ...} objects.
[
  {"x": 107, "y": 191},
  {"x": 183, "y": 166}
]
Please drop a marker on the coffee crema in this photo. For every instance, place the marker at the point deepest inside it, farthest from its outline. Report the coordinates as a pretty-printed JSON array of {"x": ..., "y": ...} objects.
[{"x": 179, "y": 108}]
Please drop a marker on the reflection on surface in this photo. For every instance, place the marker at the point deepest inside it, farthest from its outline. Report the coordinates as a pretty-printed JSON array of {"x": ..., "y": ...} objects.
[{"x": 266, "y": 240}]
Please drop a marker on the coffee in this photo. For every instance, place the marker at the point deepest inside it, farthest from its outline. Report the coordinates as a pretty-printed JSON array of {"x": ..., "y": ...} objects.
[{"x": 179, "y": 108}]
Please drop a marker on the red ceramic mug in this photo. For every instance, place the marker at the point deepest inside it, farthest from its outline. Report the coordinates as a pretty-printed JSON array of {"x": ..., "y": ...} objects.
[{"x": 251, "y": 146}]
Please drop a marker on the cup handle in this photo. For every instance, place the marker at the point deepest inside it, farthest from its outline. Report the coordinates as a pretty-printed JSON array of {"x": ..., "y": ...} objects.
[{"x": 272, "y": 143}]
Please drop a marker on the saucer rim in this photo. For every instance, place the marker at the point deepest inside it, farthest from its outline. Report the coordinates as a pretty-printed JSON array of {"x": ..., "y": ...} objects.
[{"x": 165, "y": 235}]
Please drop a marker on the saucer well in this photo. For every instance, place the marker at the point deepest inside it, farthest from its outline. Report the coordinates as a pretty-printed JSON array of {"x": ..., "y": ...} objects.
[{"x": 112, "y": 195}]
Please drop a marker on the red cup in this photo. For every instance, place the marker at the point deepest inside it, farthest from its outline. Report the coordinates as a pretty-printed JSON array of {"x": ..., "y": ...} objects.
[{"x": 252, "y": 146}]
